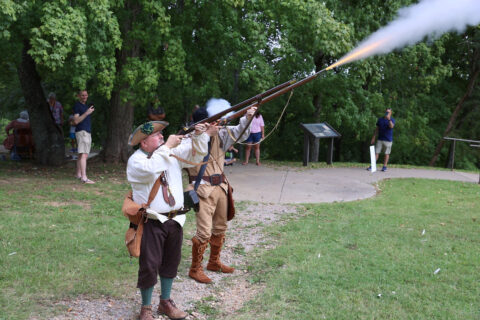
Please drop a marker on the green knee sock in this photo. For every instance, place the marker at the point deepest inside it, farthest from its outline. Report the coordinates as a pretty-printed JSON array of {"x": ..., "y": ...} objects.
[
  {"x": 166, "y": 287},
  {"x": 146, "y": 296}
]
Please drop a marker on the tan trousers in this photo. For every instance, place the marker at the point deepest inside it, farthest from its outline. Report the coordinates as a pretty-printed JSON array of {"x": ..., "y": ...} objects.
[{"x": 212, "y": 215}]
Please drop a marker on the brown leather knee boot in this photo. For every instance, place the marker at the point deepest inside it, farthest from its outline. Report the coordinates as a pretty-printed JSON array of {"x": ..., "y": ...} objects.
[
  {"x": 214, "y": 264},
  {"x": 196, "y": 269}
]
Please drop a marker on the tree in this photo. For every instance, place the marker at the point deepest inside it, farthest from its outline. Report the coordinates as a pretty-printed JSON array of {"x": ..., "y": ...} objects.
[
  {"x": 470, "y": 66},
  {"x": 57, "y": 40}
]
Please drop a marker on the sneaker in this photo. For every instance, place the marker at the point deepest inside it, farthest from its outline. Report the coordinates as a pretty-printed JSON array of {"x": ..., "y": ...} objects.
[
  {"x": 369, "y": 168},
  {"x": 384, "y": 169}
]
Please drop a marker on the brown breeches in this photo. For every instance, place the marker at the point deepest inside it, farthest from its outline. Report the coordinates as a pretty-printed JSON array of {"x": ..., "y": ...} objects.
[
  {"x": 160, "y": 252},
  {"x": 212, "y": 216}
]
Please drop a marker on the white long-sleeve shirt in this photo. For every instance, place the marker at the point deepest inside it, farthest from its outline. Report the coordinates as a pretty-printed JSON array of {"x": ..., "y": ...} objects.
[{"x": 143, "y": 172}]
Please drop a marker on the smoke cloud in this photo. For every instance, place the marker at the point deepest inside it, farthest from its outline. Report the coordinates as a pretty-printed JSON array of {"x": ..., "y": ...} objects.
[
  {"x": 428, "y": 18},
  {"x": 215, "y": 106}
]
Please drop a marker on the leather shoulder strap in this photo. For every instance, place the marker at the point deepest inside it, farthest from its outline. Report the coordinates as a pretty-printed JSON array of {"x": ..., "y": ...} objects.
[{"x": 154, "y": 191}]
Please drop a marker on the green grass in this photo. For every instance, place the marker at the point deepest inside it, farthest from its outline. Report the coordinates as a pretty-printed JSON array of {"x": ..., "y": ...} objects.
[
  {"x": 334, "y": 263},
  {"x": 322, "y": 164},
  {"x": 60, "y": 239}
]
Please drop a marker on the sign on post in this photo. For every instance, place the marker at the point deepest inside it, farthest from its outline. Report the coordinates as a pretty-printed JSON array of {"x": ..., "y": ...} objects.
[{"x": 318, "y": 131}]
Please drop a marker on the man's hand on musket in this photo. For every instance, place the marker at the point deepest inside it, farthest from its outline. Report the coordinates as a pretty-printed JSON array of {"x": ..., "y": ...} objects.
[
  {"x": 174, "y": 140},
  {"x": 251, "y": 112},
  {"x": 212, "y": 129},
  {"x": 200, "y": 128}
]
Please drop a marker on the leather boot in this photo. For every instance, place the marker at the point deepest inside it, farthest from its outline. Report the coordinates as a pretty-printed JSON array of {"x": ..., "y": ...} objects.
[
  {"x": 168, "y": 308},
  {"x": 146, "y": 313},
  {"x": 214, "y": 264},
  {"x": 196, "y": 269}
]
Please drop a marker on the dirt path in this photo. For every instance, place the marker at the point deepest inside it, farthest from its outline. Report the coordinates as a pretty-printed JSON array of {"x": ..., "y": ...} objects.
[{"x": 223, "y": 297}]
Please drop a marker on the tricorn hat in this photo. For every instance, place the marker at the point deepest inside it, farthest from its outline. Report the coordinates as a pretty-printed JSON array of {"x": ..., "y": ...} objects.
[{"x": 144, "y": 130}]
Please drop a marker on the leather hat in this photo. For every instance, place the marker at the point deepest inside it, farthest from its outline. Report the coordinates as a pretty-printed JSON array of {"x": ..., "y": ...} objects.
[{"x": 144, "y": 130}]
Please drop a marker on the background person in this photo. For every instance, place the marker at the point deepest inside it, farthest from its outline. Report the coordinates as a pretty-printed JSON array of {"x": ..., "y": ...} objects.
[
  {"x": 23, "y": 122},
  {"x": 161, "y": 243},
  {"x": 229, "y": 157},
  {"x": 384, "y": 129},
  {"x": 257, "y": 133},
  {"x": 83, "y": 134},
  {"x": 56, "y": 109},
  {"x": 155, "y": 112},
  {"x": 73, "y": 140}
]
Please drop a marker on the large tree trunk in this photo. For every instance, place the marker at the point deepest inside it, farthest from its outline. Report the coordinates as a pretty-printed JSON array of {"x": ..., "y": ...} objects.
[
  {"x": 453, "y": 117},
  {"x": 120, "y": 123},
  {"x": 119, "y": 129},
  {"x": 317, "y": 98},
  {"x": 47, "y": 136}
]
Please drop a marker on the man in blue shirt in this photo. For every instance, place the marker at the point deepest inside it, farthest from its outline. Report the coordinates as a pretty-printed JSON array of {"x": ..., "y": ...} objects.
[
  {"x": 384, "y": 130},
  {"x": 83, "y": 129}
]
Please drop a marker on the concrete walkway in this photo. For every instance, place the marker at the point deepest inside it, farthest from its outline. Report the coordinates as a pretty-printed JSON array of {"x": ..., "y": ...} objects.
[{"x": 297, "y": 185}]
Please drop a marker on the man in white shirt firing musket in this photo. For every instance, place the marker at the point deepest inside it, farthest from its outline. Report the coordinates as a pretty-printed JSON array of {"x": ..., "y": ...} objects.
[{"x": 161, "y": 244}]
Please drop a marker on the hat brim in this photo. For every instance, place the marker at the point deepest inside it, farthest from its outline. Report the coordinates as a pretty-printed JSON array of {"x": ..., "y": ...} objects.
[{"x": 137, "y": 136}]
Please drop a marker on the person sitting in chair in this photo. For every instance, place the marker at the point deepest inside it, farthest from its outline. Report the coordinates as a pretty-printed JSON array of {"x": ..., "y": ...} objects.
[{"x": 21, "y": 128}]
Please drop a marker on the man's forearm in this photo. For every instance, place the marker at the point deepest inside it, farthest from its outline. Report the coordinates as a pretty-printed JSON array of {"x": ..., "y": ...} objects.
[{"x": 79, "y": 118}]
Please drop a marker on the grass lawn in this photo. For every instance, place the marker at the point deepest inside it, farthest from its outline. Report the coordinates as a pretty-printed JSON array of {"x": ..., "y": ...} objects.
[
  {"x": 60, "y": 239},
  {"x": 376, "y": 258}
]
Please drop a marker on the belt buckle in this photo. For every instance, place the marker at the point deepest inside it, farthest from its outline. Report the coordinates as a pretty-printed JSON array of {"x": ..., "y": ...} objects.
[
  {"x": 215, "y": 179},
  {"x": 172, "y": 214}
]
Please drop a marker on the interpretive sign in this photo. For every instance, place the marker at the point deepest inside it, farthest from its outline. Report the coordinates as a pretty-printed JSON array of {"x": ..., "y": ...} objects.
[{"x": 313, "y": 132}]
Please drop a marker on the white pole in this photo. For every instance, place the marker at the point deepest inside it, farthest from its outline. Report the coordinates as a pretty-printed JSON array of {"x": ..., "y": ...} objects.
[{"x": 373, "y": 161}]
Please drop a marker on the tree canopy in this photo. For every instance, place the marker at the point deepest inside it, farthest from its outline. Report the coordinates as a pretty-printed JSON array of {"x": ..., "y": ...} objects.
[{"x": 128, "y": 53}]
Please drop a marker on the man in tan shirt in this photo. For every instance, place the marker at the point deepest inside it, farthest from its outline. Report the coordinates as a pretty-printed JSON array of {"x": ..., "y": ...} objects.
[{"x": 212, "y": 214}]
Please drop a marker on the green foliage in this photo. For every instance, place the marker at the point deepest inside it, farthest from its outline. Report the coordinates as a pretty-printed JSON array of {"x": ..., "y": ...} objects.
[{"x": 187, "y": 52}]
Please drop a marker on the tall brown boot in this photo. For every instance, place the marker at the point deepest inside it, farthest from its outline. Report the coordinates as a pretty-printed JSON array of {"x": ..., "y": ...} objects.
[
  {"x": 196, "y": 269},
  {"x": 214, "y": 264},
  {"x": 168, "y": 308},
  {"x": 146, "y": 313}
]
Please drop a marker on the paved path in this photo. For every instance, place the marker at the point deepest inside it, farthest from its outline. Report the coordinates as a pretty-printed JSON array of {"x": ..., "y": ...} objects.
[{"x": 297, "y": 185}]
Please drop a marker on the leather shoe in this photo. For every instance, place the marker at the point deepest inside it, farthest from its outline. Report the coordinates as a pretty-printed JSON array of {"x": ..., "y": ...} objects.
[
  {"x": 168, "y": 308},
  {"x": 146, "y": 313}
]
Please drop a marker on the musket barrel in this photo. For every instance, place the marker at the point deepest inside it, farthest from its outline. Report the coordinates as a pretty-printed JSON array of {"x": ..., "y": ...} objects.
[
  {"x": 217, "y": 116},
  {"x": 291, "y": 87},
  {"x": 256, "y": 100}
]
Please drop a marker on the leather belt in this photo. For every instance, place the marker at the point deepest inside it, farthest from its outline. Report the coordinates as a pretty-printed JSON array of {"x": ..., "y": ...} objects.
[
  {"x": 172, "y": 214},
  {"x": 214, "y": 179}
]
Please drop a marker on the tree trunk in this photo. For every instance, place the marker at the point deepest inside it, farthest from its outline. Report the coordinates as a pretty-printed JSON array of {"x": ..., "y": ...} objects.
[
  {"x": 317, "y": 98},
  {"x": 453, "y": 117},
  {"x": 120, "y": 124},
  {"x": 47, "y": 136}
]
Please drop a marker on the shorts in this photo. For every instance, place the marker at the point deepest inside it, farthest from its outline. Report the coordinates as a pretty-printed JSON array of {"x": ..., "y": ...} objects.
[
  {"x": 84, "y": 141},
  {"x": 72, "y": 135},
  {"x": 381, "y": 144},
  {"x": 254, "y": 137}
]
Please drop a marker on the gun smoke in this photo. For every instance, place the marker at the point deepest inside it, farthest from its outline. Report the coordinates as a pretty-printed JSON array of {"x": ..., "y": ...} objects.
[
  {"x": 428, "y": 18},
  {"x": 215, "y": 106}
]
